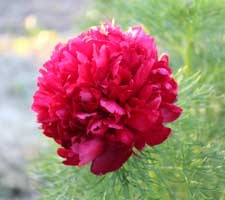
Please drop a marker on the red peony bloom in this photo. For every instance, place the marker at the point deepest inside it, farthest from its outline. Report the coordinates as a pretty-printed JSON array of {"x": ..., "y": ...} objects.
[{"x": 104, "y": 93}]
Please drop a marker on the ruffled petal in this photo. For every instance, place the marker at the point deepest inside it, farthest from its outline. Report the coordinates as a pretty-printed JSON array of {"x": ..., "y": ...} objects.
[
  {"x": 97, "y": 127},
  {"x": 89, "y": 150},
  {"x": 165, "y": 58},
  {"x": 140, "y": 141},
  {"x": 157, "y": 135},
  {"x": 70, "y": 157},
  {"x": 113, "y": 157},
  {"x": 112, "y": 107},
  {"x": 142, "y": 120},
  {"x": 170, "y": 112},
  {"x": 125, "y": 136},
  {"x": 142, "y": 74}
]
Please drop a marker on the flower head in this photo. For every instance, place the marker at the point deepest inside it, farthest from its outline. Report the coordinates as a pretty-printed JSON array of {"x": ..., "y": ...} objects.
[{"x": 104, "y": 93}]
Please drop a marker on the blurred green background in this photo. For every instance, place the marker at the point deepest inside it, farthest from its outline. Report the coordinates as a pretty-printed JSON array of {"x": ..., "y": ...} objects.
[{"x": 190, "y": 165}]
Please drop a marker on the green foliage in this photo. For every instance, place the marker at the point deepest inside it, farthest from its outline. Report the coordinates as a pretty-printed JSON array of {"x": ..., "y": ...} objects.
[{"x": 190, "y": 165}]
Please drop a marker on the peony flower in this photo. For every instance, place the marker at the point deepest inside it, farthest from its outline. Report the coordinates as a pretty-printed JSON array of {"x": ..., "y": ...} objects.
[{"x": 104, "y": 93}]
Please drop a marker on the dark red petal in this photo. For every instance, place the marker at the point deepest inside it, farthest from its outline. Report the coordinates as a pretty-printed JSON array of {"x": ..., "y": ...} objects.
[
  {"x": 163, "y": 63},
  {"x": 139, "y": 121},
  {"x": 100, "y": 69},
  {"x": 89, "y": 150},
  {"x": 142, "y": 74},
  {"x": 112, "y": 124},
  {"x": 63, "y": 152},
  {"x": 161, "y": 71},
  {"x": 97, "y": 127},
  {"x": 40, "y": 99},
  {"x": 82, "y": 58},
  {"x": 75, "y": 147},
  {"x": 82, "y": 115},
  {"x": 140, "y": 141},
  {"x": 84, "y": 73},
  {"x": 111, "y": 159},
  {"x": 170, "y": 112},
  {"x": 157, "y": 135},
  {"x": 71, "y": 161},
  {"x": 165, "y": 58},
  {"x": 125, "y": 136},
  {"x": 145, "y": 92},
  {"x": 155, "y": 103},
  {"x": 112, "y": 107},
  {"x": 85, "y": 95},
  {"x": 71, "y": 158},
  {"x": 101, "y": 58},
  {"x": 142, "y": 120}
]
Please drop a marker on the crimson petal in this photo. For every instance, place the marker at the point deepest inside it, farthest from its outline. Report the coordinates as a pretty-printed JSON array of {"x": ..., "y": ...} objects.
[
  {"x": 89, "y": 150},
  {"x": 170, "y": 112},
  {"x": 142, "y": 74},
  {"x": 125, "y": 136},
  {"x": 165, "y": 58},
  {"x": 71, "y": 158},
  {"x": 142, "y": 120},
  {"x": 112, "y": 107},
  {"x": 157, "y": 135},
  {"x": 111, "y": 159}
]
